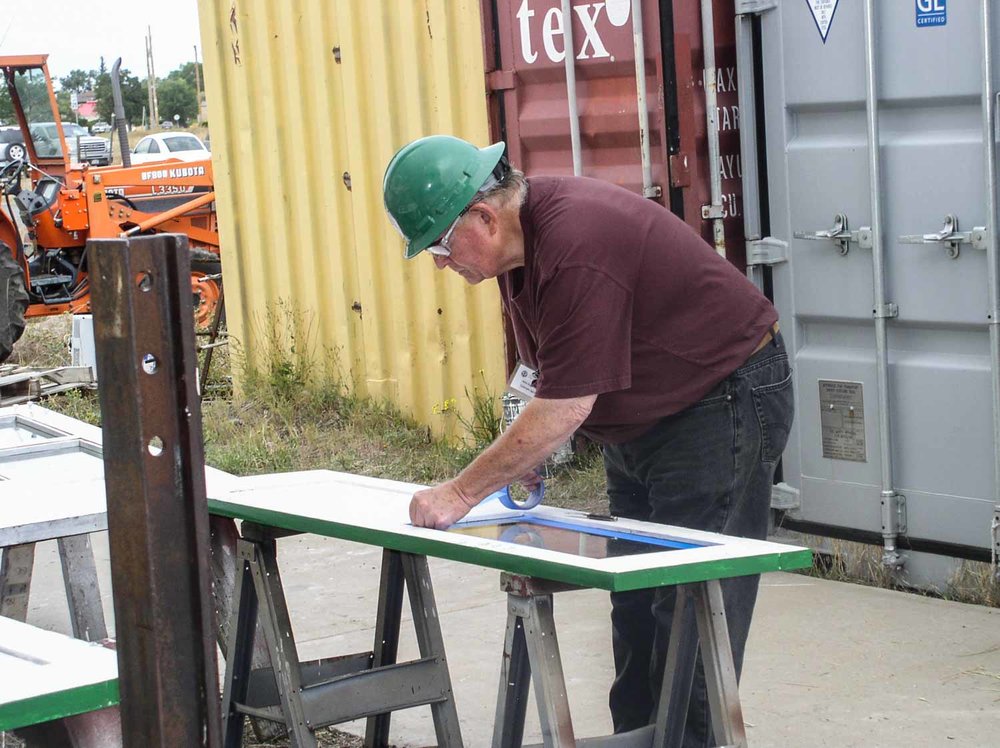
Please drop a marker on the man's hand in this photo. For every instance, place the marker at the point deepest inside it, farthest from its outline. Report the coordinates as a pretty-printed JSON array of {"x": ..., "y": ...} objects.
[{"x": 439, "y": 507}]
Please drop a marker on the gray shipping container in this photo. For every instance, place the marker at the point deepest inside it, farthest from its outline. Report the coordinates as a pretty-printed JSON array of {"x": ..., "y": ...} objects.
[{"x": 882, "y": 262}]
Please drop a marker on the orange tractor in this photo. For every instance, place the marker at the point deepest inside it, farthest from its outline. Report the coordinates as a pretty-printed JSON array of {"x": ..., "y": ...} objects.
[{"x": 48, "y": 220}]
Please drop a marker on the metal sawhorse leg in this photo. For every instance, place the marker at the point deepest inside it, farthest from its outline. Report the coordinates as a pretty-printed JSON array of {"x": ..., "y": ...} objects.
[
  {"x": 306, "y": 696},
  {"x": 79, "y": 569},
  {"x": 531, "y": 651}
]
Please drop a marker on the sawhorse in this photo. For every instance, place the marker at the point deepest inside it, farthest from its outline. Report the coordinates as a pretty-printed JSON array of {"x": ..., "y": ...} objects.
[
  {"x": 531, "y": 651},
  {"x": 306, "y": 696},
  {"x": 67, "y": 514}
]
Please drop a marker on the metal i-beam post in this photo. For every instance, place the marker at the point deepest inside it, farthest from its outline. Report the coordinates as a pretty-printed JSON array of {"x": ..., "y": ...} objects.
[{"x": 157, "y": 507}]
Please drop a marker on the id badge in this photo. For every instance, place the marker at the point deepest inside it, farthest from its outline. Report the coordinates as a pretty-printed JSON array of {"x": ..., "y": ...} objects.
[{"x": 523, "y": 382}]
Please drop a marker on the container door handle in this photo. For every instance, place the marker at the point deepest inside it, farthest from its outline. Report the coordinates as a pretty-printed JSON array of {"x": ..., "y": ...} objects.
[
  {"x": 840, "y": 233},
  {"x": 950, "y": 237}
]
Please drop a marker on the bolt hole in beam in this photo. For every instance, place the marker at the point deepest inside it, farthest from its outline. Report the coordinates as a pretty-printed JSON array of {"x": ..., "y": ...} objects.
[
  {"x": 144, "y": 281},
  {"x": 150, "y": 364},
  {"x": 155, "y": 446}
]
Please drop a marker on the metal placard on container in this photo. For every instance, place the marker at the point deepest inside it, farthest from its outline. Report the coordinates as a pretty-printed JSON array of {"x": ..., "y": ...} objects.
[{"x": 842, "y": 420}]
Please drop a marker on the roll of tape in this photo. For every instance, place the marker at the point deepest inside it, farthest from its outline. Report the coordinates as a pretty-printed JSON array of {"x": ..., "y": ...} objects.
[{"x": 533, "y": 500}]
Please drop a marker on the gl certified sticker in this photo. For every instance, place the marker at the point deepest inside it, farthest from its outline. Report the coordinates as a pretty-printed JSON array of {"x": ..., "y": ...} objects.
[{"x": 932, "y": 13}]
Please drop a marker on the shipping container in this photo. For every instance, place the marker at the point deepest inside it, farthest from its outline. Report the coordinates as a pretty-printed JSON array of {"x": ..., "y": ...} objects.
[
  {"x": 534, "y": 95},
  {"x": 875, "y": 225},
  {"x": 308, "y": 101}
]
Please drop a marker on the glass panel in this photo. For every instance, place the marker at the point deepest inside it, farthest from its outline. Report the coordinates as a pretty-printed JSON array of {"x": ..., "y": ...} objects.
[
  {"x": 81, "y": 465},
  {"x": 577, "y": 540},
  {"x": 17, "y": 431},
  {"x": 33, "y": 92},
  {"x": 183, "y": 143}
]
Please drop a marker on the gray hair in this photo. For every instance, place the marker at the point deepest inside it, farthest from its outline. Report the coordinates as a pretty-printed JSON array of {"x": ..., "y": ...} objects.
[{"x": 509, "y": 193}]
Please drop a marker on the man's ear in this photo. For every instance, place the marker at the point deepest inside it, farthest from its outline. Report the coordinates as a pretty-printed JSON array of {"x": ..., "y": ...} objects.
[{"x": 488, "y": 215}]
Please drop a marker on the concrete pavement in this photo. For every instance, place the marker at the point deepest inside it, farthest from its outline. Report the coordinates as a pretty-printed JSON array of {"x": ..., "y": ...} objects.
[{"x": 828, "y": 663}]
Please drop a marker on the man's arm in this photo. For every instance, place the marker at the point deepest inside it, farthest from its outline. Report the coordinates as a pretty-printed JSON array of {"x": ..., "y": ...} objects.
[{"x": 541, "y": 427}]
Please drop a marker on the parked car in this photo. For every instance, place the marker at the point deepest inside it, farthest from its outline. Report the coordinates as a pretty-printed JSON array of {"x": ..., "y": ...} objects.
[
  {"x": 167, "y": 125},
  {"x": 11, "y": 145},
  {"x": 45, "y": 136},
  {"x": 163, "y": 146},
  {"x": 100, "y": 127}
]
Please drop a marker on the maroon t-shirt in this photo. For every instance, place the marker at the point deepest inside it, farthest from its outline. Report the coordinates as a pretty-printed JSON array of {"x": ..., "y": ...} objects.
[{"x": 620, "y": 298}]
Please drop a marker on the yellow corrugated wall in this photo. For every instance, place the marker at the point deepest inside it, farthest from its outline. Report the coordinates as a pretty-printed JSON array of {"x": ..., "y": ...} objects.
[{"x": 291, "y": 127}]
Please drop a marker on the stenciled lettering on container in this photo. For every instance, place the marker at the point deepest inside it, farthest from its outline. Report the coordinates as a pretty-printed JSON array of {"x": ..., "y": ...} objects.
[{"x": 552, "y": 30}]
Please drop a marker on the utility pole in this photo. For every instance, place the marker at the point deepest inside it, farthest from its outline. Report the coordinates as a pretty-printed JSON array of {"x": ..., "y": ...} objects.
[
  {"x": 197, "y": 82},
  {"x": 154, "y": 109}
]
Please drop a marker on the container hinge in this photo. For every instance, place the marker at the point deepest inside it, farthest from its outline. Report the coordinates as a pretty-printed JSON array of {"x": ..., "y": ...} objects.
[
  {"x": 747, "y": 7},
  {"x": 766, "y": 251},
  {"x": 950, "y": 237},
  {"x": 886, "y": 311},
  {"x": 501, "y": 80},
  {"x": 680, "y": 171},
  {"x": 893, "y": 513},
  {"x": 711, "y": 212},
  {"x": 995, "y": 533},
  {"x": 785, "y": 497},
  {"x": 652, "y": 192},
  {"x": 841, "y": 234}
]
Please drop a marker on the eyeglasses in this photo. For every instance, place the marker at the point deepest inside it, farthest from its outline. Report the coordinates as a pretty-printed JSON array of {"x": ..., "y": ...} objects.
[{"x": 442, "y": 247}]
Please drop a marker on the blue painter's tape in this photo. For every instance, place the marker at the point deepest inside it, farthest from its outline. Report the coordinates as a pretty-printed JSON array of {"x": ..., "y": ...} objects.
[
  {"x": 606, "y": 532},
  {"x": 504, "y": 497}
]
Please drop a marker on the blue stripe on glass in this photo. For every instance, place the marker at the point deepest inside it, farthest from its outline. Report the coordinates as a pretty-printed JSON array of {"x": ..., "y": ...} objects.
[{"x": 585, "y": 529}]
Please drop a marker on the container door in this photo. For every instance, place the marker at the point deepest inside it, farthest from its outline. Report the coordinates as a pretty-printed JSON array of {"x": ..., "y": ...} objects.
[
  {"x": 531, "y": 77},
  {"x": 530, "y": 101},
  {"x": 933, "y": 203}
]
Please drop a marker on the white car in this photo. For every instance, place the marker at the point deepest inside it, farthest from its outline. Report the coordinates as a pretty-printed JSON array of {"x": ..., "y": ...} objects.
[{"x": 163, "y": 146}]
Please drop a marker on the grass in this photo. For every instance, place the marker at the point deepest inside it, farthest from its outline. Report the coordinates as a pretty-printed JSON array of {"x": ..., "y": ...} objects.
[
  {"x": 973, "y": 582},
  {"x": 289, "y": 422}
]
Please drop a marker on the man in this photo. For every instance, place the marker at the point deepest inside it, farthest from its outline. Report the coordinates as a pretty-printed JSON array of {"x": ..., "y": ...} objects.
[{"x": 644, "y": 339}]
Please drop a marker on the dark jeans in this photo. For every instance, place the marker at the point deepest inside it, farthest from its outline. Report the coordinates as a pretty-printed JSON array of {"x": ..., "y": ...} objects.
[{"x": 709, "y": 467}]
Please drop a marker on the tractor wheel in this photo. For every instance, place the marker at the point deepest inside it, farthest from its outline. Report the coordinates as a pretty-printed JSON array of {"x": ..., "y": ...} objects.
[
  {"x": 13, "y": 301},
  {"x": 206, "y": 294}
]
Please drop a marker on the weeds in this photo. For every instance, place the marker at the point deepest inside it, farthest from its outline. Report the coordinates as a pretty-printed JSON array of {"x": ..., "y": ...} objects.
[
  {"x": 859, "y": 563},
  {"x": 486, "y": 421},
  {"x": 45, "y": 343},
  {"x": 83, "y": 405},
  {"x": 285, "y": 367},
  {"x": 974, "y": 582}
]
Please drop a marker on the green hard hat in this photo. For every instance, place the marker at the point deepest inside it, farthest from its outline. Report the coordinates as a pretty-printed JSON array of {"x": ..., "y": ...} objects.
[{"x": 430, "y": 182}]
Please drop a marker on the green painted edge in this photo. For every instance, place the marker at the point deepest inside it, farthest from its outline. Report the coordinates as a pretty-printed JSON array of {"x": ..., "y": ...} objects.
[
  {"x": 47, "y": 707},
  {"x": 620, "y": 581}
]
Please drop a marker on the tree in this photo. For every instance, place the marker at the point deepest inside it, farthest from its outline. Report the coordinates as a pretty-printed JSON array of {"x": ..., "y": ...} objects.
[
  {"x": 176, "y": 96},
  {"x": 134, "y": 97},
  {"x": 6, "y": 107},
  {"x": 78, "y": 80},
  {"x": 66, "y": 113},
  {"x": 185, "y": 73}
]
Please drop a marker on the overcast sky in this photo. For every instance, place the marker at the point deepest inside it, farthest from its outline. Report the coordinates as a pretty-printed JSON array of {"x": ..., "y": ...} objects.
[{"x": 76, "y": 33}]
